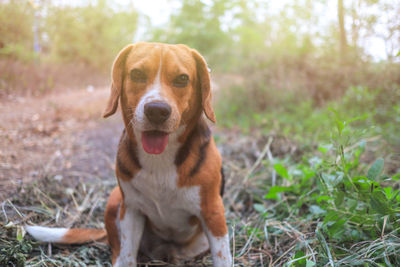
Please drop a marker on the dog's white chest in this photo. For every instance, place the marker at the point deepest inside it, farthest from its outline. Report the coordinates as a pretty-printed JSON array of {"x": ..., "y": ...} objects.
[{"x": 168, "y": 207}]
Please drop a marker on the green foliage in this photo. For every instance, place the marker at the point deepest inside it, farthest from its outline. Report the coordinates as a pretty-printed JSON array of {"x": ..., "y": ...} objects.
[
  {"x": 341, "y": 192},
  {"x": 93, "y": 34},
  {"x": 377, "y": 110},
  {"x": 90, "y": 33},
  {"x": 288, "y": 48},
  {"x": 199, "y": 26},
  {"x": 282, "y": 171},
  {"x": 344, "y": 188},
  {"x": 352, "y": 205},
  {"x": 16, "y": 36},
  {"x": 13, "y": 252}
]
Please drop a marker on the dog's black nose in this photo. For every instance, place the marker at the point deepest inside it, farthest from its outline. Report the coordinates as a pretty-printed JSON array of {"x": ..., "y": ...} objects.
[{"x": 157, "y": 112}]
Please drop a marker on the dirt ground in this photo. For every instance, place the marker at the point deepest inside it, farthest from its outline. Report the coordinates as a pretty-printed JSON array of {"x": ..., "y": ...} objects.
[{"x": 61, "y": 135}]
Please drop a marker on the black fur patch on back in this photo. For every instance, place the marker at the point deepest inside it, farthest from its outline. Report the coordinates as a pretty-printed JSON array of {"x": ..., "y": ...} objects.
[
  {"x": 126, "y": 145},
  {"x": 222, "y": 189},
  {"x": 200, "y": 159},
  {"x": 200, "y": 131},
  {"x": 122, "y": 168},
  {"x": 132, "y": 152}
]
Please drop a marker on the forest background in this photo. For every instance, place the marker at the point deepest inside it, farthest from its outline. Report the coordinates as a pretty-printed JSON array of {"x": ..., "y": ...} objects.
[{"x": 307, "y": 97}]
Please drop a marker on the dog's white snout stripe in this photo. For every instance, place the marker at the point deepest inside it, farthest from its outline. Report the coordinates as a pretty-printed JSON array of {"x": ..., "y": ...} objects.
[{"x": 153, "y": 94}]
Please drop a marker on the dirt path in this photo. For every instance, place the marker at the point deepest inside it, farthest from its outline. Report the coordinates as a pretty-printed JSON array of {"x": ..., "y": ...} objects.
[{"x": 61, "y": 136}]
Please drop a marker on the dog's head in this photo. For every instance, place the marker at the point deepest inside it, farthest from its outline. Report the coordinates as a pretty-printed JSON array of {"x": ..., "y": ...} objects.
[{"x": 161, "y": 87}]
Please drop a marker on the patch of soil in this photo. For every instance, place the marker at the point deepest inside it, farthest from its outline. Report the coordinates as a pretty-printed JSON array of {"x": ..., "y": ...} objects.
[{"x": 61, "y": 135}]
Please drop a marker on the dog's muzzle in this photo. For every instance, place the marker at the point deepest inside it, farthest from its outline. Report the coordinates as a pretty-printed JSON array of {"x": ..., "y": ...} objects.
[{"x": 157, "y": 112}]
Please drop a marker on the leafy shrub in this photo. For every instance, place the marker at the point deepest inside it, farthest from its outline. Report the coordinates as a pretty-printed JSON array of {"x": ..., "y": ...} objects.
[
  {"x": 16, "y": 35},
  {"x": 352, "y": 208}
]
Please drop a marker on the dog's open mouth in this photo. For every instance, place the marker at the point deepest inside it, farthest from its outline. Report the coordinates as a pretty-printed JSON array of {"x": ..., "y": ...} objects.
[{"x": 154, "y": 142}]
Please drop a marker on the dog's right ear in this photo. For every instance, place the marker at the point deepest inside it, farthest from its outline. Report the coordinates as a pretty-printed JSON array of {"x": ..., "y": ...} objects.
[{"x": 117, "y": 74}]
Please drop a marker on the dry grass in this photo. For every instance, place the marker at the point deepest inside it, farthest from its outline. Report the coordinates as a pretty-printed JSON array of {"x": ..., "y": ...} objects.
[
  {"x": 38, "y": 78},
  {"x": 79, "y": 201},
  {"x": 72, "y": 198}
]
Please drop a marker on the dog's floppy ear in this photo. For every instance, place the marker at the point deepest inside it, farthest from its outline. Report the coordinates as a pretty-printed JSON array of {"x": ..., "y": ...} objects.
[
  {"x": 204, "y": 82},
  {"x": 117, "y": 74}
]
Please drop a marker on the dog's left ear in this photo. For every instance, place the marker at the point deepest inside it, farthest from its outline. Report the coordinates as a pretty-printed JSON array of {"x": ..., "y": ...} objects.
[
  {"x": 204, "y": 81},
  {"x": 117, "y": 74}
]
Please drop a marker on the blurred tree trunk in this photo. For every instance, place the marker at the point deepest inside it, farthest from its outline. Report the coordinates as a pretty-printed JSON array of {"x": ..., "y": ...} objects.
[{"x": 342, "y": 31}]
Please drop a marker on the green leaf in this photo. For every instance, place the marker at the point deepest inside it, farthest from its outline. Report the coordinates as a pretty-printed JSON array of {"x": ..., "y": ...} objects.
[
  {"x": 314, "y": 209},
  {"x": 375, "y": 169},
  {"x": 363, "y": 183},
  {"x": 340, "y": 126},
  {"x": 331, "y": 216},
  {"x": 274, "y": 190},
  {"x": 352, "y": 204},
  {"x": 325, "y": 148},
  {"x": 379, "y": 204},
  {"x": 323, "y": 198},
  {"x": 388, "y": 192},
  {"x": 20, "y": 233},
  {"x": 336, "y": 227},
  {"x": 357, "y": 118},
  {"x": 299, "y": 259},
  {"x": 332, "y": 180},
  {"x": 259, "y": 208},
  {"x": 339, "y": 199},
  {"x": 310, "y": 263},
  {"x": 281, "y": 170},
  {"x": 398, "y": 54}
]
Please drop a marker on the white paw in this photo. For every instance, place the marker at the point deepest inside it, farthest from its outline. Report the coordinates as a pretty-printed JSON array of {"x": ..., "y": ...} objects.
[
  {"x": 125, "y": 262},
  {"x": 223, "y": 261}
]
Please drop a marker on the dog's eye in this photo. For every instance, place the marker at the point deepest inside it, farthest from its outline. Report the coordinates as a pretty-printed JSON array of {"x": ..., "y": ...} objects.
[
  {"x": 138, "y": 76},
  {"x": 181, "y": 80}
]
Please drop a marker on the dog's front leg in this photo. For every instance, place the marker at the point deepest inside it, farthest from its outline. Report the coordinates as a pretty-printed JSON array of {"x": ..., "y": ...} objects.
[
  {"x": 214, "y": 225},
  {"x": 131, "y": 230}
]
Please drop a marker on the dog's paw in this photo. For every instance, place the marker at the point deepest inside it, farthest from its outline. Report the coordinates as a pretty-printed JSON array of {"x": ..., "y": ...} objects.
[{"x": 125, "y": 262}]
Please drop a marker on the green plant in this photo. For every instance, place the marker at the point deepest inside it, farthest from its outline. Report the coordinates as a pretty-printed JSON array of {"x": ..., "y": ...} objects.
[
  {"x": 13, "y": 251},
  {"x": 352, "y": 208}
]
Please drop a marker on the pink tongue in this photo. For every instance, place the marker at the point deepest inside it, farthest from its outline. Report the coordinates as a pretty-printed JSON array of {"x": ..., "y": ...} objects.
[{"x": 154, "y": 142}]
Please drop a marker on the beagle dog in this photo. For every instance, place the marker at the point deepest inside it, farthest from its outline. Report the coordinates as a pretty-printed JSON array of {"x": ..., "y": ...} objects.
[{"x": 168, "y": 204}]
